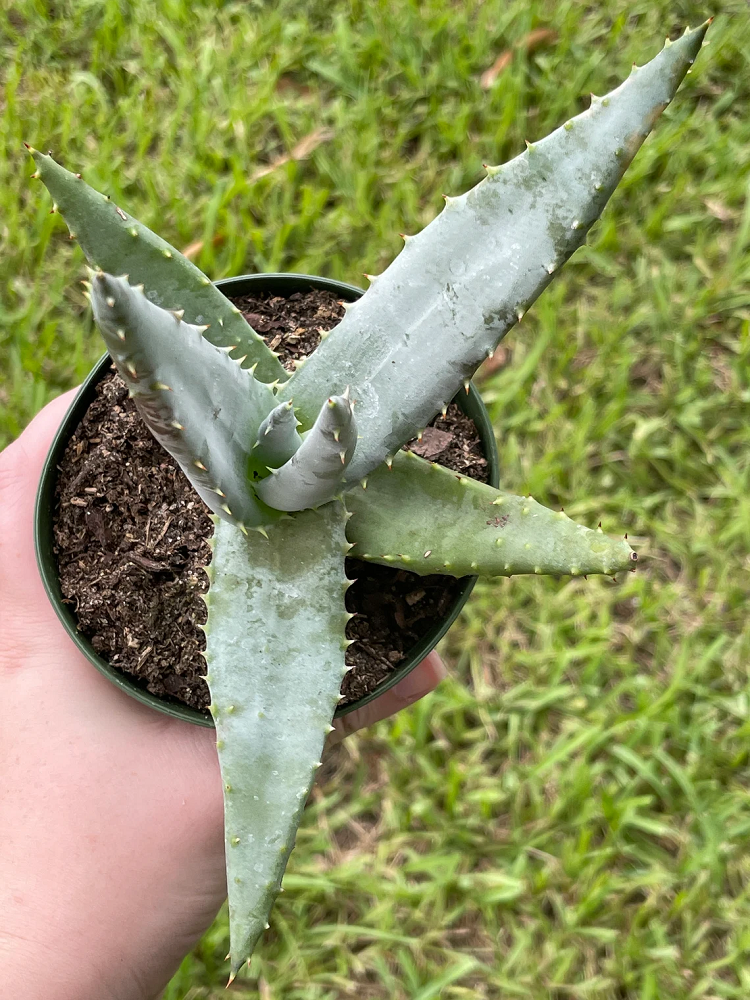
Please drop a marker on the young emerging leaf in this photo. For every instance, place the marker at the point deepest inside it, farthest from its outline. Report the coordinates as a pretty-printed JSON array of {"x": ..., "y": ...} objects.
[
  {"x": 278, "y": 439},
  {"x": 313, "y": 475},
  {"x": 275, "y": 653},
  {"x": 116, "y": 242},
  {"x": 198, "y": 403},
  {"x": 424, "y": 518},
  {"x": 427, "y": 322}
]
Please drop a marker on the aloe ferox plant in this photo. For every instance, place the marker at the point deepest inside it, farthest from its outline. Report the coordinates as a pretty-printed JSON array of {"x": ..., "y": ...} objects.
[{"x": 300, "y": 470}]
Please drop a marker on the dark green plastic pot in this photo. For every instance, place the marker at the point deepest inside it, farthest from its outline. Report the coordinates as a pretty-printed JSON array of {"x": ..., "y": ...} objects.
[{"x": 281, "y": 284}]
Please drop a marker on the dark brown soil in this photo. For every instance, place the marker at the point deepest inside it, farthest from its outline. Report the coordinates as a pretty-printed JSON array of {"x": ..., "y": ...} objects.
[
  {"x": 291, "y": 325},
  {"x": 131, "y": 535}
]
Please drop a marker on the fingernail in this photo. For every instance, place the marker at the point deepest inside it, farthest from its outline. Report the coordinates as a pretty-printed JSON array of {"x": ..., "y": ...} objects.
[{"x": 422, "y": 679}]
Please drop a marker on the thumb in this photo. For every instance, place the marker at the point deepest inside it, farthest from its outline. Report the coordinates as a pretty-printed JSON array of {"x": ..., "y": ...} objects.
[
  {"x": 21, "y": 462},
  {"x": 20, "y": 468}
]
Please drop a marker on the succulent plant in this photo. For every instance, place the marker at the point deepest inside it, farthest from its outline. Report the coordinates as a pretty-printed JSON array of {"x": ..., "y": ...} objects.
[{"x": 299, "y": 470}]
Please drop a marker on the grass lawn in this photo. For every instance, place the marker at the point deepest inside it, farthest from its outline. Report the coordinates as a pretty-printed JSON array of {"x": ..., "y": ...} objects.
[{"x": 568, "y": 816}]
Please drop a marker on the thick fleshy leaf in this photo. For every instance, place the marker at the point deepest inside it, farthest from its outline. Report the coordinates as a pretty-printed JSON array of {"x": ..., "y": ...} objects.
[
  {"x": 424, "y": 518},
  {"x": 275, "y": 654}
]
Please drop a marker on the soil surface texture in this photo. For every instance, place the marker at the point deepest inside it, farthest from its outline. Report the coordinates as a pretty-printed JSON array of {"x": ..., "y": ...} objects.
[{"x": 132, "y": 536}]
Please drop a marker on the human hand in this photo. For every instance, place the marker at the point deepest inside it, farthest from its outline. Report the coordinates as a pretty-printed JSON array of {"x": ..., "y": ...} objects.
[{"x": 111, "y": 814}]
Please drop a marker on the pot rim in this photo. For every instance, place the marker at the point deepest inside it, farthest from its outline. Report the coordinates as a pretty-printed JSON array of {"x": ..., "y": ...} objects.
[{"x": 470, "y": 403}]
